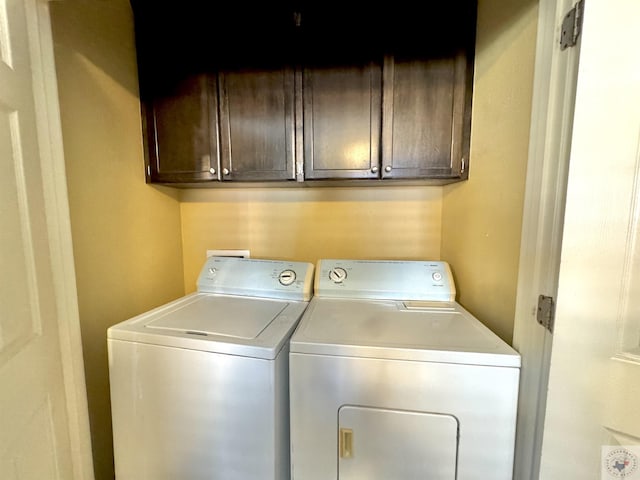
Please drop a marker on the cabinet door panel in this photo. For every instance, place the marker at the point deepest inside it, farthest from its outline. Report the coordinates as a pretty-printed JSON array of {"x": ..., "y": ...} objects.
[
  {"x": 181, "y": 138},
  {"x": 257, "y": 123},
  {"x": 342, "y": 115},
  {"x": 423, "y": 117}
]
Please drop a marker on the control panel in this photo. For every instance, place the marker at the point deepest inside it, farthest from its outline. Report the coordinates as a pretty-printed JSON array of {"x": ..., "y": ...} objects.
[
  {"x": 257, "y": 278},
  {"x": 385, "y": 279}
]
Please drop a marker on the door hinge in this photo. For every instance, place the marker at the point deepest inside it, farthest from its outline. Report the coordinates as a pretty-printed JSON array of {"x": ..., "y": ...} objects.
[
  {"x": 546, "y": 312},
  {"x": 572, "y": 26}
]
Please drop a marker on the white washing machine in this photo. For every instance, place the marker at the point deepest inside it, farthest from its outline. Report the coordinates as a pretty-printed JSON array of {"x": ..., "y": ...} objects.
[
  {"x": 391, "y": 379},
  {"x": 199, "y": 386}
]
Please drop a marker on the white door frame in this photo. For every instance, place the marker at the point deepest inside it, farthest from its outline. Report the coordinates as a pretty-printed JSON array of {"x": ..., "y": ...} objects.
[
  {"x": 549, "y": 148},
  {"x": 59, "y": 229}
]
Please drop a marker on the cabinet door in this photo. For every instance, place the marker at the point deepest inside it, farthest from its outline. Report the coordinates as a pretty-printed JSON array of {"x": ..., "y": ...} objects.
[
  {"x": 342, "y": 115},
  {"x": 428, "y": 81},
  {"x": 181, "y": 132},
  {"x": 257, "y": 124},
  {"x": 425, "y": 129}
]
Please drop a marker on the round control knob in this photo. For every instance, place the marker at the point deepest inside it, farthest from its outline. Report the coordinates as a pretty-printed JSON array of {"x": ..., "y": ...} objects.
[
  {"x": 287, "y": 277},
  {"x": 437, "y": 276},
  {"x": 337, "y": 275},
  {"x": 212, "y": 270}
]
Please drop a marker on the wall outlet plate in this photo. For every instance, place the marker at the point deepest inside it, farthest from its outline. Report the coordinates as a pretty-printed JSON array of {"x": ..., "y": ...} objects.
[{"x": 229, "y": 253}]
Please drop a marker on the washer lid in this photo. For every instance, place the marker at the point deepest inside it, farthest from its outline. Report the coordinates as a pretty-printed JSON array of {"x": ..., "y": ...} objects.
[
  {"x": 234, "y": 317},
  {"x": 234, "y": 325},
  {"x": 422, "y": 331}
]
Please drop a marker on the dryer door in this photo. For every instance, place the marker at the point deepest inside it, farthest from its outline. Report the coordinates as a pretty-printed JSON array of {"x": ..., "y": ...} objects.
[{"x": 379, "y": 444}]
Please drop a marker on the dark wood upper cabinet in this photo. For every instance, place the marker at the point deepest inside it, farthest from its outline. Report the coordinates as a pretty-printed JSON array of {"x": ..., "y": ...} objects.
[
  {"x": 181, "y": 138},
  {"x": 217, "y": 91},
  {"x": 427, "y": 90},
  {"x": 425, "y": 133},
  {"x": 342, "y": 115},
  {"x": 257, "y": 124},
  {"x": 303, "y": 91}
]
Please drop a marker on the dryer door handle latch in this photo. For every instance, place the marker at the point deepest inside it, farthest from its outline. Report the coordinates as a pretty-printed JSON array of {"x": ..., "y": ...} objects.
[{"x": 346, "y": 443}]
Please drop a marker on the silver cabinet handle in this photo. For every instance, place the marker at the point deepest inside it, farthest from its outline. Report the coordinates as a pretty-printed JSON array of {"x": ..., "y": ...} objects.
[
  {"x": 387, "y": 168},
  {"x": 212, "y": 171},
  {"x": 225, "y": 171},
  {"x": 374, "y": 169}
]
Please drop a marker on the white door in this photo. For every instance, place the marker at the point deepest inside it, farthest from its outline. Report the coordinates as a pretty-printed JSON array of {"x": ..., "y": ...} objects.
[
  {"x": 43, "y": 422},
  {"x": 594, "y": 381}
]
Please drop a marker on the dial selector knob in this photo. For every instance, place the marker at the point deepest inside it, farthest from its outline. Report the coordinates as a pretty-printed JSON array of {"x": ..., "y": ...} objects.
[
  {"x": 287, "y": 277},
  {"x": 337, "y": 274}
]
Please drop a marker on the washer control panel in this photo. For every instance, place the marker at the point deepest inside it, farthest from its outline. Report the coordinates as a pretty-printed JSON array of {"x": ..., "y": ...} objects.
[
  {"x": 385, "y": 279},
  {"x": 257, "y": 278}
]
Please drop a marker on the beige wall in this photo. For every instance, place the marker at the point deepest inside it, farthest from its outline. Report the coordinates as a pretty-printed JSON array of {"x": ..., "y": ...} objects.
[
  {"x": 306, "y": 224},
  {"x": 482, "y": 217},
  {"x": 126, "y": 234}
]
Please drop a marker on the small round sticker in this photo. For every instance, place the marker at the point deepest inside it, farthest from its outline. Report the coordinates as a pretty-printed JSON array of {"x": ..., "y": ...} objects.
[{"x": 620, "y": 463}]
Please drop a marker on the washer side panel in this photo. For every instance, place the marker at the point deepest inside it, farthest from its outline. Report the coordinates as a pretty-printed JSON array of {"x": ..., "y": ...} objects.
[{"x": 187, "y": 414}]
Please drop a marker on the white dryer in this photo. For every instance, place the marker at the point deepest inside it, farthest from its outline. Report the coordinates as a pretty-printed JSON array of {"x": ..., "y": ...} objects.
[
  {"x": 199, "y": 386},
  {"x": 390, "y": 379}
]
